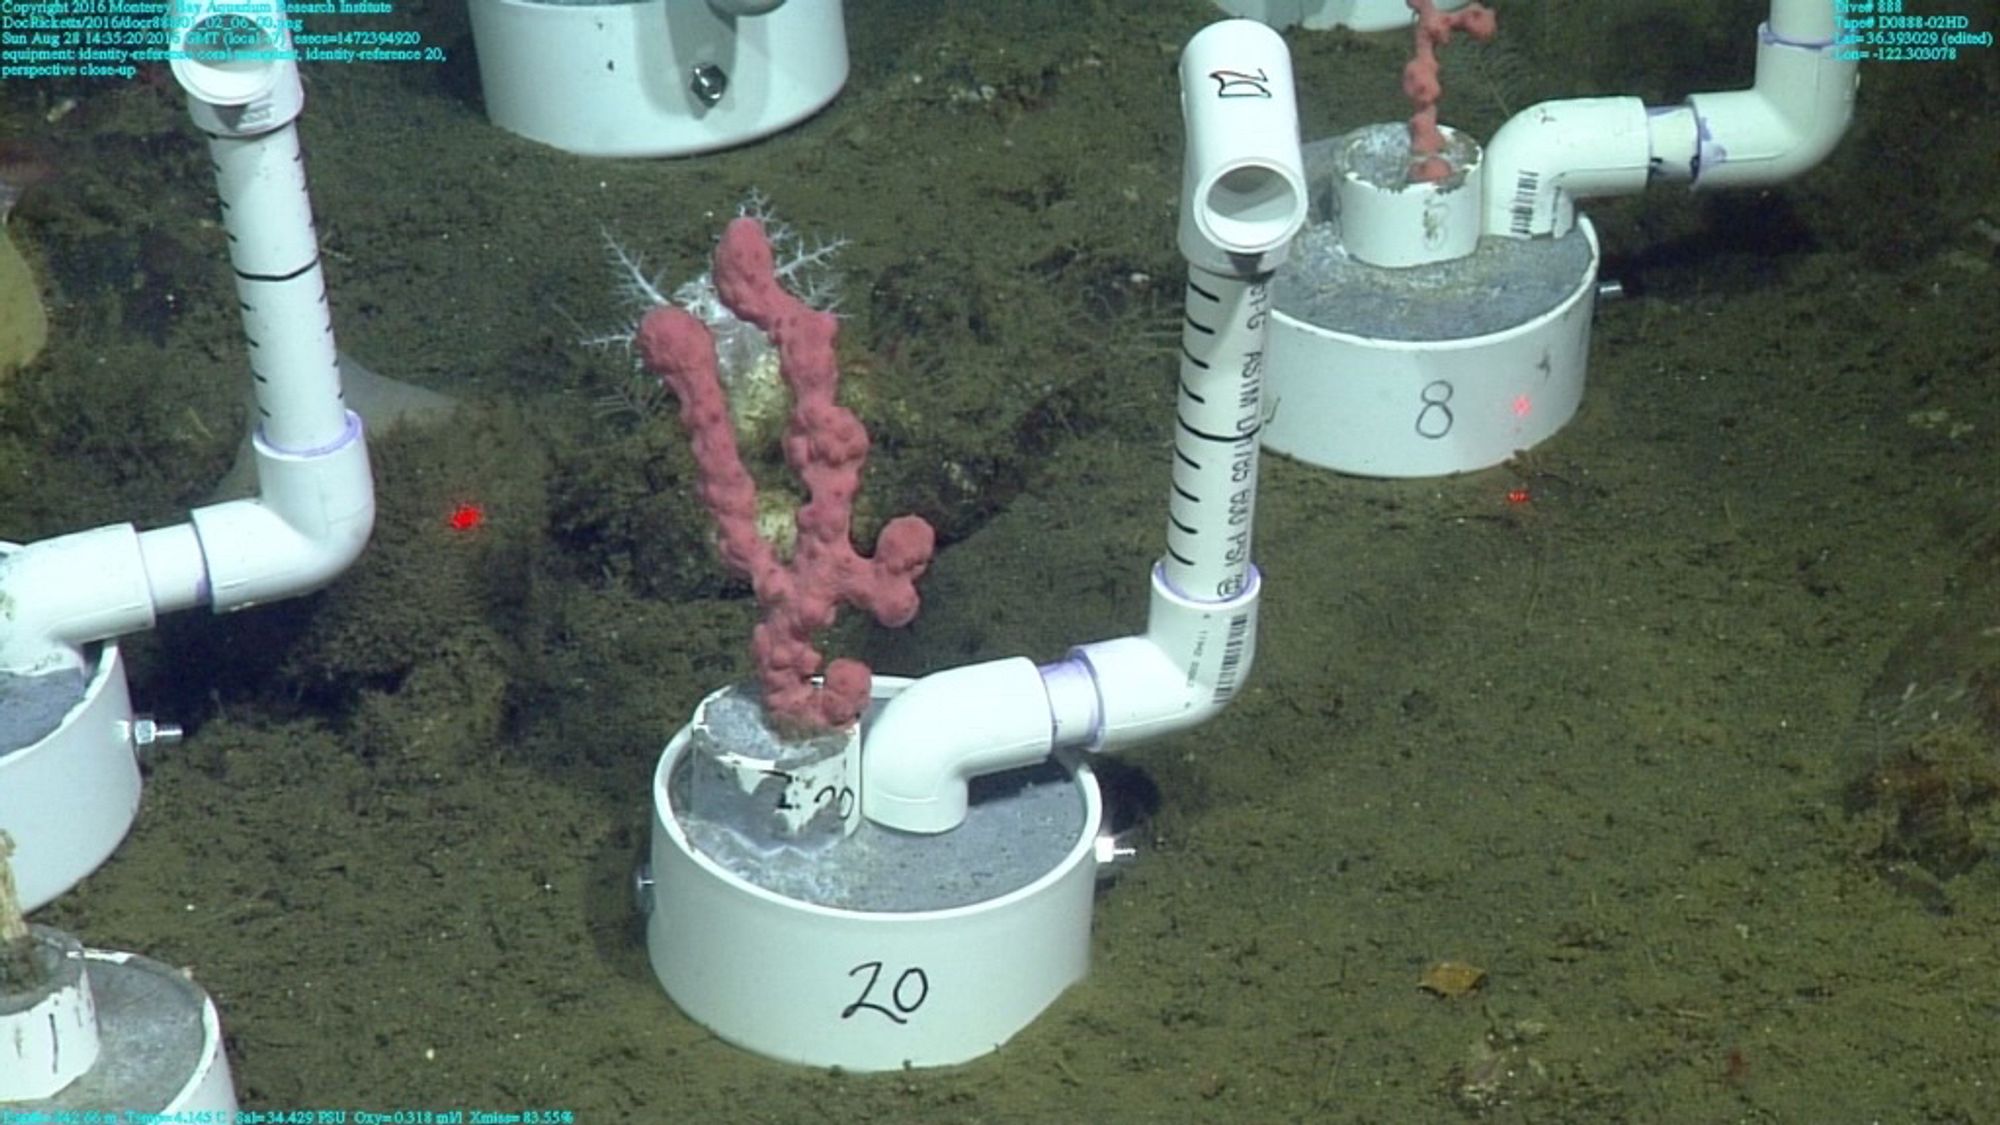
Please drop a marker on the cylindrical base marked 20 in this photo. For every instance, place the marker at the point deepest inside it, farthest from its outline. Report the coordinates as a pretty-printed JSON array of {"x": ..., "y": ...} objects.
[{"x": 866, "y": 989}]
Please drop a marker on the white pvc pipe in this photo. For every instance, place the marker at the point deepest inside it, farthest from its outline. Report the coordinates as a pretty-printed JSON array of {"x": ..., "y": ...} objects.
[
  {"x": 1547, "y": 157},
  {"x": 945, "y": 729},
  {"x": 1799, "y": 104},
  {"x": 1243, "y": 198},
  {"x": 316, "y": 503},
  {"x": 1793, "y": 114}
]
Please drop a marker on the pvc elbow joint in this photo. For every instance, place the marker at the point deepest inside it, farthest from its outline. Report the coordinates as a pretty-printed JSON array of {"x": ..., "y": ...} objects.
[
  {"x": 312, "y": 517},
  {"x": 309, "y": 524},
  {"x": 1568, "y": 149},
  {"x": 1787, "y": 122},
  {"x": 939, "y": 733},
  {"x": 1797, "y": 110},
  {"x": 933, "y": 738},
  {"x": 60, "y": 593},
  {"x": 1183, "y": 671}
]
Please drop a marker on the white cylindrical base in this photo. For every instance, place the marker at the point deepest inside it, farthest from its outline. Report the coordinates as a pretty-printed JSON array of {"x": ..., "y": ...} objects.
[
  {"x": 1388, "y": 220},
  {"x": 68, "y": 797},
  {"x": 655, "y": 77},
  {"x": 49, "y": 1029},
  {"x": 768, "y": 789},
  {"x": 159, "y": 1048},
  {"x": 878, "y": 987},
  {"x": 1428, "y": 370}
]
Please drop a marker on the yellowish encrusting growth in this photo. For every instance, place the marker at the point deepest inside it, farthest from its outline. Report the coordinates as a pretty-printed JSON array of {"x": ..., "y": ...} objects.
[{"x": 24, "y": 324}]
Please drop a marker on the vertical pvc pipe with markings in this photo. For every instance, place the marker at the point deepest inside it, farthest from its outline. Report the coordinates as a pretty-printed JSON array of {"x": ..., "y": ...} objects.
[{"x": 1243, "y": 198}]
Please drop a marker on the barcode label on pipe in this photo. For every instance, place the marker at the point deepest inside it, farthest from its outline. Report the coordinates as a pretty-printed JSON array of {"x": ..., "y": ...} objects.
[
  {"x": 1521, "y": 216},
  {"x": 1234, "y": 644}
]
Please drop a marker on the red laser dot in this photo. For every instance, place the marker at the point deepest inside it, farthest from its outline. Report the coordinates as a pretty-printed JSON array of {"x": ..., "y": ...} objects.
[
  {"x": 1518, "y": 496},
  {"x": 1522, "y": 406},
  {"x": 465, "y": 517}
]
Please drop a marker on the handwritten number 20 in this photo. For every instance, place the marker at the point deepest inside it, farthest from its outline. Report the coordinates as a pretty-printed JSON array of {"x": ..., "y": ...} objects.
[{"x": 911, "y": 989}]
